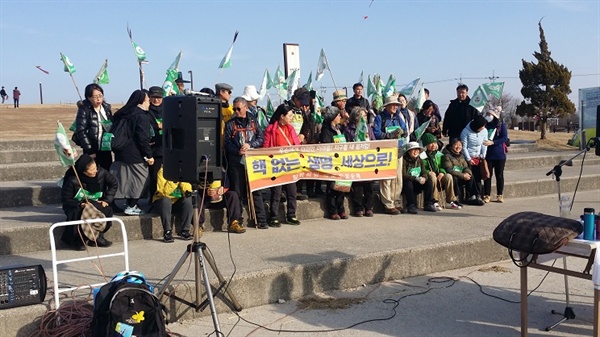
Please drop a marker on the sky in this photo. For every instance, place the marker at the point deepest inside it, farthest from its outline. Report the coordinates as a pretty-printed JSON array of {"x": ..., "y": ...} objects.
[{"x": 442, "y": 42}]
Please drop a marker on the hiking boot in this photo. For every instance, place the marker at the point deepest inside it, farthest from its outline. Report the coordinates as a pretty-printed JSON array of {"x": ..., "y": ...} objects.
[
  {"x": 274, "y": 223},
  {"x": 185, "y": 235},
  {"x": 262, "y": 225},
  {"x": 292, "y": 220},
  {"x": 343, "y": 216},
  {"x": 235, "y": 227},
  {"x": 392, "y": 211},
  {"x": 412, "y": 209},
  {"x": 486, "y": 198},
  {"x": 428, "y": 208},
  {"x": 369, "y": 213},
  {"x": 335, "y": 217},
  {"x": 500, "y": 198},
  {"x": 359, "y": 214},
  {"x": 168, "y": 237}
]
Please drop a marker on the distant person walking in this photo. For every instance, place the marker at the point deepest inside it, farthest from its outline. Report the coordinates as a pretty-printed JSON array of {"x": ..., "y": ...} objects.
[
  {"x": 3, "y": 94},
  {"x": 16, "y": 96}
]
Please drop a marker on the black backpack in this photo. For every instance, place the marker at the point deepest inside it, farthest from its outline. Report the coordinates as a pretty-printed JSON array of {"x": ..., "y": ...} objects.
[
  {"x": 121, "y": 134},
  {"x": 124, "y": 308}
]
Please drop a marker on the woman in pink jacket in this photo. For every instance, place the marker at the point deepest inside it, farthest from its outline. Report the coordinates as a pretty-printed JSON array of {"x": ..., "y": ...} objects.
[{"x": 280, "y": 132}]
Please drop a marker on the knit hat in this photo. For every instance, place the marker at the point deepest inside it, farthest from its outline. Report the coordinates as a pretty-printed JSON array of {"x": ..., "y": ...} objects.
[
  {"x": 477, "y": 123},
  {"x": 428, "y": 138}
]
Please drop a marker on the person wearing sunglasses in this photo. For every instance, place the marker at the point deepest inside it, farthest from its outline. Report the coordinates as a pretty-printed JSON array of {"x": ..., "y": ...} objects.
[{"x": 242, "y": 133}]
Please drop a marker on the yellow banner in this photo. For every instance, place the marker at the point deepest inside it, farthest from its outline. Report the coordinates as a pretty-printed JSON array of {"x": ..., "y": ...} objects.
[{"x": 358, "y": 161}]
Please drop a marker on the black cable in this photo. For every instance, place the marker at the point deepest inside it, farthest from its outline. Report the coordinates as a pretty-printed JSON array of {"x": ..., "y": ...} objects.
[{"x": 587, "y": 146}]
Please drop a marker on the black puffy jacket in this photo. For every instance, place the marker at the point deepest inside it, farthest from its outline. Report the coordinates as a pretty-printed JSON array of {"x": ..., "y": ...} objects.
[
  {"x": 108, "y": 183},
  {"x": 87, "y": 128}
]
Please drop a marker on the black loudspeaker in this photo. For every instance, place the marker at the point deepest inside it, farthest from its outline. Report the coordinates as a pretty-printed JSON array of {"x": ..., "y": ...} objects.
[{"x": 192, "y": 138}]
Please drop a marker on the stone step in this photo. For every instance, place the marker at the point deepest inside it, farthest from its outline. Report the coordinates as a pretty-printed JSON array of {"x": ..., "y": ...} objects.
[
  {"x": 18, "y": 145},
  {"x": 28, "y": 226},
  {"x": 27, "y": 156},
  {"x": 32, "y": 171},
  {"x": 27, "y": 192}
]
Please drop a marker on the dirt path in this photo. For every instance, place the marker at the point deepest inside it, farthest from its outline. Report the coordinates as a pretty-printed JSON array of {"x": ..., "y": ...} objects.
[{"x": 37, "y": 121}]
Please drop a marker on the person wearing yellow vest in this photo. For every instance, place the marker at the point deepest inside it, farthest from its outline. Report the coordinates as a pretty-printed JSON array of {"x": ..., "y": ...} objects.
[{"x": 173, "y": 197}]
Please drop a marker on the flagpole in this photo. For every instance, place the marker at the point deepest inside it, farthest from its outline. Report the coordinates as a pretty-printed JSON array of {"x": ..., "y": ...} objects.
[
  {"x": 330, "y": 72},
  {"x": 141, "y": 75},
  {"x": 76, "y": 88}
]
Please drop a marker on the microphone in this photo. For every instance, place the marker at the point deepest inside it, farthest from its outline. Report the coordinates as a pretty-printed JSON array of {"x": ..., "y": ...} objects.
[{"x": 189, "y": 92}]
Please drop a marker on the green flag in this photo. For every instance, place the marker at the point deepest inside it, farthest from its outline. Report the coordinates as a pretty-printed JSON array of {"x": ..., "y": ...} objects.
[
  {"x": 66, "y": 155},
  {"x": 362, "y": 133},
  {"x": 102, "y": 77},
  {"x": 420, "y": 99},
  {"x": 69, "y": 67},
  {"x": 265, "y": 85},
  {"x": 308, "y": 86},
  {"x": 139, "y": 52},
  {"x": 371, "y": 91},
  {"x": 378, "y": 97},
  {"x": 270, "y": 109},
  {"x": 169, "y": 86},
  {"x": 279, "y": 83},
  {"x": 322, "y": 64},
  {"x": 421, "y": 129},
  {"x": 479, "y": 99},
  {"x": 390, "y": 87},
  {"x": 410, "y": 88},
  {"x": 291, "y": 83},
  {"x": 262, "y": 119},
  {"x": 319, "y": 106},
  {"x": 494, "y": 89},
  {"x": 226, "y": 61}
]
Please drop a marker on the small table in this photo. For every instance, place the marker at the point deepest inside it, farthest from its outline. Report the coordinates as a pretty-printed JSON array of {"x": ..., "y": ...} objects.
[{"x": 576, "y": 248}]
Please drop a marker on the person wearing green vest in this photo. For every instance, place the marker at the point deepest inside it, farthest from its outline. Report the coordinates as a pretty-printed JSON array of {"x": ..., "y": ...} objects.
[
  {"x": 414, "y": 180},
  {"x": 86, "y": 184},
  {"x": 441, "y": 180}
]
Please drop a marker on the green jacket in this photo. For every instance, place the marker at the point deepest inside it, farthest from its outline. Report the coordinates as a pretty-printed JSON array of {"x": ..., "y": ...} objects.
[{"x": 433, "y": 162}]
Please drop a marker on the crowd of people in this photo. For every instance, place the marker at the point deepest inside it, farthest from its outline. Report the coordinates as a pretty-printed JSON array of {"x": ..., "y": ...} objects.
[{"x": 446, "y": 175}]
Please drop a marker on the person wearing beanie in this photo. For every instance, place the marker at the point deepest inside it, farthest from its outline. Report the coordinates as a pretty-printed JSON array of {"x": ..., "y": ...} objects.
[
  {"x": 496, "y": 153},
  {"x": 331, "y": 133},
  {"x": 414, "y": 180},
  {"x": 442, "y": 180},
  {"x": 474, "y": 139}
]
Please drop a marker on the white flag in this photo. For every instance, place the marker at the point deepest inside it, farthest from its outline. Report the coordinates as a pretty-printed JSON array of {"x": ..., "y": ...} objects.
[
  {"x": 264, "y": 85},
  {"x": 321, "y": 66}
]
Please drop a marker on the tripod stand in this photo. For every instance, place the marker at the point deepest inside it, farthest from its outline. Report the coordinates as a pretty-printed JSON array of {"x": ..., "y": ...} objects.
[
  {"x": 196, "y": 249},
  {"x": 557, "y": 172}
]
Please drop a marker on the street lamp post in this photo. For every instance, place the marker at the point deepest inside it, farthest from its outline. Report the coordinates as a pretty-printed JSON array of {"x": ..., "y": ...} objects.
[{"x": 191, "y": 80}]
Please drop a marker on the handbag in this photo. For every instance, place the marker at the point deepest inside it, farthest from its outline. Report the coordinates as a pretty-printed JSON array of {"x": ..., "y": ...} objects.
[
  {"x": 485, "y": 171},
  {"x": 91, "y": 230},
  {"x": 534, "y": 233},
  {"x": 342, "y": 186}
]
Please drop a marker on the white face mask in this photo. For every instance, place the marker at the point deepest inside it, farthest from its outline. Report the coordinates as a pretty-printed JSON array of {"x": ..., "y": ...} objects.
[{"x": 489, "y": 118}]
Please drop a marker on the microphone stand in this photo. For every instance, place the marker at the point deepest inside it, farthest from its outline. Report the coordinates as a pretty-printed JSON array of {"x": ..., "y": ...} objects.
[{"x": 556, "y": 172}]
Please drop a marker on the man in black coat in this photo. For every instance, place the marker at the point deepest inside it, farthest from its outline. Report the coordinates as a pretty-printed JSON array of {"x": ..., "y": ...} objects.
[
  {"x": 459, "y": 113},
  {"x": 155, "y": 112}
]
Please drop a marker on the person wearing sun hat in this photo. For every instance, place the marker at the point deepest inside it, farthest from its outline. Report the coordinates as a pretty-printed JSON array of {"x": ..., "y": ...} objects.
[
  {"x": 180, "y": 82},
  {"x": 339, "y": 101},
  {"x": 441, "y": 180},
  {"x": 251, "y": 95},
  {"x": 414, "y": 180},
  {"x": 389, "y": 125},
  {"x": 496, "y": 153}
]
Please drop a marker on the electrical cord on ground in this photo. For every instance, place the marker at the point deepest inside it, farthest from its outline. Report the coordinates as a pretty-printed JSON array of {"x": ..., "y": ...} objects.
[{"x": 396, "y": 303}]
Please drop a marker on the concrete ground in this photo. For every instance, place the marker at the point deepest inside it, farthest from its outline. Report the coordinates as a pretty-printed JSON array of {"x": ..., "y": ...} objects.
[{"x": 475, "y": 301}]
